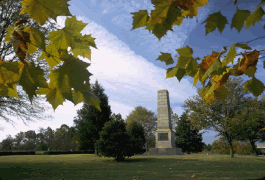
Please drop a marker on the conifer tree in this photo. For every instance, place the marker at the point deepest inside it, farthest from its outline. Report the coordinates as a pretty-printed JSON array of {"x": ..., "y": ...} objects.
[
  {"x": 90, "y": 121},
  {"x": 186, "y": 138}
]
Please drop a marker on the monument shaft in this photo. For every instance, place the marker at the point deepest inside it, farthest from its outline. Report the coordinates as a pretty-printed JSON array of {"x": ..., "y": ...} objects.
[{"x": 165, "y": 137}]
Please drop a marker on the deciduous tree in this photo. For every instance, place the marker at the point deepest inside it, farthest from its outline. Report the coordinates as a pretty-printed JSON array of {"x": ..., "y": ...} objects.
[
  {"x": 19, "y": 138},
  {"x": 13, "y": 106},
  {"x": 251, "y": 121},
  {"x": 147, "y": 119},
  {"x": 48, "y": 137},
  {"x": 219, "y": 115}
]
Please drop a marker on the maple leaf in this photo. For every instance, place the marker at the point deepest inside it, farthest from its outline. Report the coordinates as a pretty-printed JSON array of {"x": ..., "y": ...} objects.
[
  {"x": 178, "y": 72},
  {"x": 215, "y": 20},
  {"x": 183, "y": 4},
  {"x": 191, "y": 67},
  {"x": 9, "y": 91},
  {"x": 256, "y": 16},
  {"x": 239, "y": 19},
  {"x": 139, "y": 19},
  {"x": 255, "y": 86},
  {"x": 165, "y": 57},
  {"x": 160, "y": 12},
  {"x": 230, "y": 56},
  {"x": 10, "y": 74},
  {"x": 42, "y": 10},
  {"x": 52, "y": 57},
  {"x": 173, "y": 17},
  {"x": 81, "y": 46},
  {"x": 55, "y": 97},
  {"x": 249, "y": 59},
  {"x": 37, "y": 39},
  {"x": 215, "y": 66},
  {"x": 208, "y": 61},
  {"x": 251, "y": 70},
  {"x": 31, "y": 78},
  {"x": 243, "y": 46},
  {"x": 193, "y": 10},
  {"x": 73, "y": 26}
]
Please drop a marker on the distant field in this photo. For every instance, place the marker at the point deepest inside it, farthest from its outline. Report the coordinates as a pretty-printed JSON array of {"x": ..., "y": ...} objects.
[{"x": 90, "y": 167}]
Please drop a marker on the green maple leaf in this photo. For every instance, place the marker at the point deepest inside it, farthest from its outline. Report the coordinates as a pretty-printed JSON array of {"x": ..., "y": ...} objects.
[
  {"x": 8, "y": 34},
  {"x": 78, "y": 97},
  {"x": 215, "y": 20},
  {"x": 251, "y": 70},
  {"x": 32, "y": 77},
  {"x": 178, "y": 72},
  {"x": 185, "y": 51},
  {"x": 91, "y": 99},
  {"x": 211, "y": 89},
  {"x": 9, "y": 92},
  {"x": 191, "y": 67},
  {"x": 239, "y": 19},
  {"x": 159, "y": 30},
  {"x": 81, "y": 46},
  {"x": 214, "y": 67},
  {"x": 73, "y": 26},
  {"x": 221, "y": 93},
  {"x": 256, "y": 16},
  {"x": 53, "y": 57},
  {"x": 243, "y": 46},
  {"x": 76, "y": 70},
  {"x": 37, "y": 40},
  {"x": 185, "y": 55},
  {"x": 60, "y": 39},
  {"x": 196, "y": 78},
  {"x": 173, "y": 17},
  {"x": 42, "y": 10},
  {"x": 165, "y": 57},
  {"x": 139, "y": 19},
  {"x": 230, "y": 56},
  {"x": 160, "y": 12},
  {"x": 255, "y": 86},
  {"x": 10, "y": 73},
  {"x": 55, "y": 97}
]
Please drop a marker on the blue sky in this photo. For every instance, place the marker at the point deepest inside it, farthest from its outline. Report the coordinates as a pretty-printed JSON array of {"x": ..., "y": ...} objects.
[{"x": 125, "y": 62}]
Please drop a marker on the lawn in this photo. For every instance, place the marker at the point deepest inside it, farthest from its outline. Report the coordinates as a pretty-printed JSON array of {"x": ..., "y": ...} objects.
[{"x": 89, "y": 167}]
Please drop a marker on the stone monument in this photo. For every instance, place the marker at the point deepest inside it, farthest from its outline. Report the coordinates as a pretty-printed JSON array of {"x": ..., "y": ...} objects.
[{"x": 165, "y": 137}]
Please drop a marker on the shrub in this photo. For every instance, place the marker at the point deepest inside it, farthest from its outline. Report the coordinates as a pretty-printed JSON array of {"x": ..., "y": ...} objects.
[
  {"x": 114, "y": 141},
  {"x": 242, "y": 148}
]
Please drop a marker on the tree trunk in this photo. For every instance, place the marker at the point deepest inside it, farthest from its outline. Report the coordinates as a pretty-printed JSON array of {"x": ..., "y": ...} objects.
[
  {"x": 254, "y": 147},
  {"x": 231, "y": 149}
]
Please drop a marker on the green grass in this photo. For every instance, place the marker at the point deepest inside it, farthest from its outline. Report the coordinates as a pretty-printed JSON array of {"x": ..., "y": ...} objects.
[{"x": 90, "y": 167}]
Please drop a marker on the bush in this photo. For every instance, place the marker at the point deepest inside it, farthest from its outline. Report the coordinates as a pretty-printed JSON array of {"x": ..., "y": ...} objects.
[
  {"x": 114, "y": 141},
  {"x": 136, "y": 132},
  {"x": 242, "y": 148}
]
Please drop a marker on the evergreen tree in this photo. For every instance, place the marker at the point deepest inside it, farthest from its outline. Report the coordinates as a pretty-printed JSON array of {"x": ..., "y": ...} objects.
[
  {"x": 186, "y": 138},
  {"x": 89, "y": 121},
  {"x": 114, "y": 141},
  {"x": 136, "y": 132}
]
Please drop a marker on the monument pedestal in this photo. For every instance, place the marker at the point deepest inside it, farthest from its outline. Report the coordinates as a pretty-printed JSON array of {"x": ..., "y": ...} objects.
[{"x": 165, "y": 151}]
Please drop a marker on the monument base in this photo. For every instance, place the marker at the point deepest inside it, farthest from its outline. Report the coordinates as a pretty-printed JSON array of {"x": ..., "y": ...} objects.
[{"x": 165, "y": 151}]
